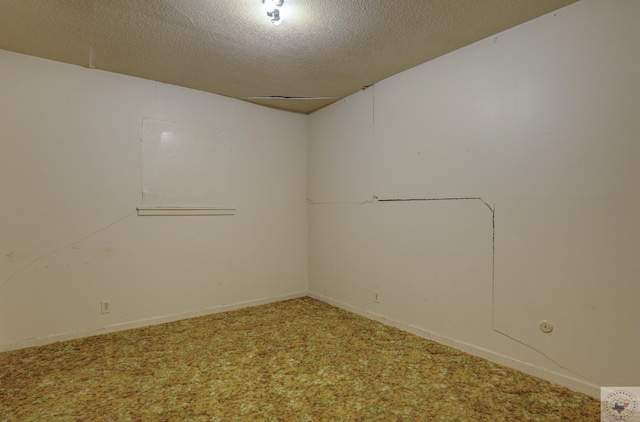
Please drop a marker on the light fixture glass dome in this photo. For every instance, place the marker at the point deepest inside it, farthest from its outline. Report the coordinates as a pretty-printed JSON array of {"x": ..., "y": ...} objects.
[{"x": 272, "y": 9}]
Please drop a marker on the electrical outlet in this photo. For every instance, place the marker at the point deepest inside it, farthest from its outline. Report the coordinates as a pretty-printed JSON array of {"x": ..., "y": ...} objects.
[
  {"x": 546, "y": 327},
  {"x": 376, "y": 296},
  {"x": 105, "y": 306}
]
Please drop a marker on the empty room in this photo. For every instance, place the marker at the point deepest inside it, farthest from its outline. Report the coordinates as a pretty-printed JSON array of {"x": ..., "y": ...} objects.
[{"x": 319, "y": 210}]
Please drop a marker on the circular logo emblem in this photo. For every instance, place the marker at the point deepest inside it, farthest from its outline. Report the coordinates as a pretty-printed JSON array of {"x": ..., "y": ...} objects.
[{"x": 620, "y": 404}]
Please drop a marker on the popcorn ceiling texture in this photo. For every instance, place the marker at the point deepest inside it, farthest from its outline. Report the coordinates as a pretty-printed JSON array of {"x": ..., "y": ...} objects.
[
  {"x": 325, "y": 51},
  {"x": 299, "y": 360}
]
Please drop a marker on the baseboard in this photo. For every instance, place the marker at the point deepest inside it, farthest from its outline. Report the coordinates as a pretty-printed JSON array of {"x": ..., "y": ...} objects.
[
  {"x": 568, "y": 381},
  {"x": 544, "y": 373},
  {"x": 40, "y": 341}
]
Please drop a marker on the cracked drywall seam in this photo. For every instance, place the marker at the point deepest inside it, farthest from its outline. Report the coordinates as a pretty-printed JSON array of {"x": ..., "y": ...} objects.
[
  {"x": 371, "y": 169},
  {"x": 544, "y": 355},
  {"x": 493, "y": 301},
  {"x": 373, "y": 133},
  {"x": 492, "y": 209},
  {"x": 41, "y": 257},
  {"x": 366, "y": 201}
]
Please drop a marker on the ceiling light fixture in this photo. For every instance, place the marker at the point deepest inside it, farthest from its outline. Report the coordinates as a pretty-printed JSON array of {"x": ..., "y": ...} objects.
[{"x": 272, "y": 7}]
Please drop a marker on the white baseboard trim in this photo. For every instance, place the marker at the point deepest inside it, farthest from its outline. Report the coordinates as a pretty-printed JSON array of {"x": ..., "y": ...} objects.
[
  {"x": 544, "y": 373},
  {"x": 528, "y": 368},
  {"x": 40, "y": 341}
]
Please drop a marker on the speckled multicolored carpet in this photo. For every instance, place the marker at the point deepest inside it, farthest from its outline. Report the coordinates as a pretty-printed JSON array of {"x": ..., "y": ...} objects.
[{"x": 298, "y": 360}]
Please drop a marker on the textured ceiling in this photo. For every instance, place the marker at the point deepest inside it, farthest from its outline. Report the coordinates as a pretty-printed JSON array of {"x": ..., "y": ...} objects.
[{"x": 324, "y": 50}]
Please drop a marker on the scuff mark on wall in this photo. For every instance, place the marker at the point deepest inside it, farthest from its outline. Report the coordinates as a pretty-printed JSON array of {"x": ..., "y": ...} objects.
[{"x": 70, "y": 245}]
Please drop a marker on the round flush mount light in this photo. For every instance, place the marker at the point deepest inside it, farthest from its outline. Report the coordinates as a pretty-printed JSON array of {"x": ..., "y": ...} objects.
[{"x": 273, "y": 9}]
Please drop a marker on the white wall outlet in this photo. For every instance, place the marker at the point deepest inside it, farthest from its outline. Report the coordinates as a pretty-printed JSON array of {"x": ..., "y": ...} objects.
[
  {"x": 546, "y": 327},
  {"x": 105, "y": 306},
  {"x": 376, "y": 296}
]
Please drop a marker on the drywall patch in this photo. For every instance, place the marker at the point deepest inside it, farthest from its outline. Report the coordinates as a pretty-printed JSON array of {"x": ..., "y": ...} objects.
[{"x": 184, "y": 165}]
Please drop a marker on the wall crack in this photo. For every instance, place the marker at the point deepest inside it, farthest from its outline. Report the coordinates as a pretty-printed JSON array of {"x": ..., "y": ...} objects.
[
  {"x": 493, "y": 269},
  {"x": 41, "y": 257},
  {"x": 367, "y": 201},
  {"x": 543, "y": 354}
]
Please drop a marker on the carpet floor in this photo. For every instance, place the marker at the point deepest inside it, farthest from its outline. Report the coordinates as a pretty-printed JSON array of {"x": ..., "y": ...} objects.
[{"x": 297, "y": 360}]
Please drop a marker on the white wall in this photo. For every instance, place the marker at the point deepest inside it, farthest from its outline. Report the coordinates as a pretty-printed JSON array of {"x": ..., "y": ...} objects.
[
  {"x": 520, "y": 155},
  {"x": 70, "y": 182}
]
